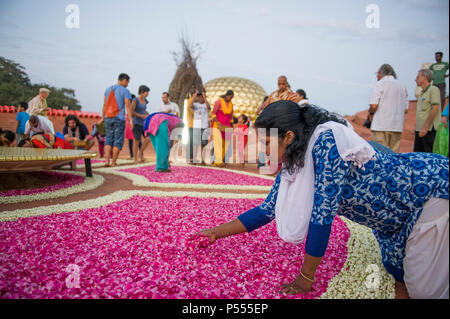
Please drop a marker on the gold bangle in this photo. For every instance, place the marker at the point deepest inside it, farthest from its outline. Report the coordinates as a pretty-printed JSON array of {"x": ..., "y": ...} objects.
[{"x": 310, "y": 280}]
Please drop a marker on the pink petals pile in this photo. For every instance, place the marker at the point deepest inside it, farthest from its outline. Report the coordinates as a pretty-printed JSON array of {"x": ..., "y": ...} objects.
[
  {"x": 63, "y": 180},
  {"x": 193, "y": 242},
  {"x": 141, "y": 248},
  {"x": 198, "y": 175}
]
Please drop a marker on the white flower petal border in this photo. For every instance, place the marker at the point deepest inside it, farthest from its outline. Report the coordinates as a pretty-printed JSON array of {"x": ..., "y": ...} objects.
[
  {"x": 366, "y": 277},
  {"x": 351, "y": 282},
  {"x": 89, "y": 183},
  {"x": 112, "y": 198},
  {"x": 139, "y": 180}
]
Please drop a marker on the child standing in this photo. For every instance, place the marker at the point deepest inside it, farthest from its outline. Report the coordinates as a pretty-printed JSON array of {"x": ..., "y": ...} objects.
[
  {"x": 99, "y": 131},
  {"x": 21, "y": 118},
  {"x": 129, "y": 136},
  {"x": 242, "y": 137}
]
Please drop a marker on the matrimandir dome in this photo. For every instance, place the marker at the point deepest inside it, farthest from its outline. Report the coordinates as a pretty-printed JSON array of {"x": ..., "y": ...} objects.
[{"x": 248, "y": 95}]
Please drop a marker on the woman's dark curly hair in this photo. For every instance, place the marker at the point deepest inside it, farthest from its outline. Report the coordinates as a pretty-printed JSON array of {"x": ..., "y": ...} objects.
[
  {"x": 288, "y": 116},
  {"x": 72, "y": 118}
]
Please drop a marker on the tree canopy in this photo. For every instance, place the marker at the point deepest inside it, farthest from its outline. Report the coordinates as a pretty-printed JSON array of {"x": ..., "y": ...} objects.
[{"x": 16, "y": 87}]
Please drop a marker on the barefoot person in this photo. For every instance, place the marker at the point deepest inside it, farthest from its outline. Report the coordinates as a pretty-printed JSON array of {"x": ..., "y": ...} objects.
[
  {"x": 241, "y": 132},
  {"x": 328, "y": 169},
  {"x": 21, "y": 118},
  {"x": 158, "y": 127},
  {"x": 116, "y": 110},
  {"x": 222, "y": 118},
  {"x": 200, "y": 108},
  {"x": 139, "y": 111}
]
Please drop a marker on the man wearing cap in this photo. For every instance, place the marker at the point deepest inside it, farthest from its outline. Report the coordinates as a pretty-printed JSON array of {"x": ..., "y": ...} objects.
[{"x": 38, "y": 105}]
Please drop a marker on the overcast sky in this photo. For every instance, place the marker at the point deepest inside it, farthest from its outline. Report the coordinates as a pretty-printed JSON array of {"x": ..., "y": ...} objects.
[{"x": 323, "y": 46}]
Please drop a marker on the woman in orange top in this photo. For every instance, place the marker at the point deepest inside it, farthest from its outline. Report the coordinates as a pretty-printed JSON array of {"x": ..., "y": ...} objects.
[{"x": 222, "y": 118}]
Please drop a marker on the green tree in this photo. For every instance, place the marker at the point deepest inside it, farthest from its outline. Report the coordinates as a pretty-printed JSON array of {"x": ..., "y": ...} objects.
[{"x": 15, "y": 87}]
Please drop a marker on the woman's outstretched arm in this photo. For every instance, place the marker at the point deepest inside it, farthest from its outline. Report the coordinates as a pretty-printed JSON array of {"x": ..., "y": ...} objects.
[
  {"x": 250, "y": 220},
  {"x": 228, "y": 229}
]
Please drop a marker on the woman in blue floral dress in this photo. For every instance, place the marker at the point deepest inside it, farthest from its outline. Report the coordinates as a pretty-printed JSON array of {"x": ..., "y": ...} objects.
[{"x": 403, "y": 198}]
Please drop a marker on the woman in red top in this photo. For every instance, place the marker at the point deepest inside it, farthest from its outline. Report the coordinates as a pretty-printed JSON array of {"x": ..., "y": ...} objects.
[{"x": 222, "y": 118}]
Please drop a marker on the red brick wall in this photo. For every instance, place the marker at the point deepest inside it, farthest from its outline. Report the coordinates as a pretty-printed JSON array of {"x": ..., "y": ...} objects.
[{"x": 8, "y": 122}]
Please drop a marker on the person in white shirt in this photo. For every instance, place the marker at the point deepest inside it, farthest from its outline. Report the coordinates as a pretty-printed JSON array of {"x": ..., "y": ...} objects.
[
  {"x": 169, "y": 106},
  {"x": 38, "y": 124},
  {"x": 201, "y": 108},
  {"x": 388, "y": 105}
]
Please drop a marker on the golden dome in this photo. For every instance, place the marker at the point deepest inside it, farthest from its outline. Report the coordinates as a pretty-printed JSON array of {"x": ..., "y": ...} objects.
[{"x": 248, "y": 95}]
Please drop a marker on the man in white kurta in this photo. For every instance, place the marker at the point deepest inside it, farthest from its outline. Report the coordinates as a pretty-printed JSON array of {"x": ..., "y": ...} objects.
[{"x": 388, "y": 105}]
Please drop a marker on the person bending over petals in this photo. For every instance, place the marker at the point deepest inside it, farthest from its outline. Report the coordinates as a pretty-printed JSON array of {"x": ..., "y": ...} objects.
[
  {"x": 329, "y": 169},
  {"x": 158, "y": 126},
  {"x": 45, "y": 141}
]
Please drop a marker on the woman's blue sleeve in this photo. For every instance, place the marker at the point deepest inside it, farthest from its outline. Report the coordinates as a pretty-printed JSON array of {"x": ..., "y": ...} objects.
[
  {"x": 264, "y": 213},
  {"x": 330, "y": 175}
]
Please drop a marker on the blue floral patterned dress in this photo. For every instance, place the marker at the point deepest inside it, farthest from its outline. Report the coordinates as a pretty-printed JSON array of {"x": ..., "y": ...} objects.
[{"x": 387, "y": 195}]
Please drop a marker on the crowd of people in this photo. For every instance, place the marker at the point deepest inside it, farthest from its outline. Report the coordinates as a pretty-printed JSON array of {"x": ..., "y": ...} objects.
[
  {"x": 126, "y": 117},
  {"x": 389, "y": 103},
  {"x": 124, "y": 114}
]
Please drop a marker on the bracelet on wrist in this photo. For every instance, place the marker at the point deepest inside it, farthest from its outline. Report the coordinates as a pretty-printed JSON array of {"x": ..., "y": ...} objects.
[{"x": 309, "y": 279}]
